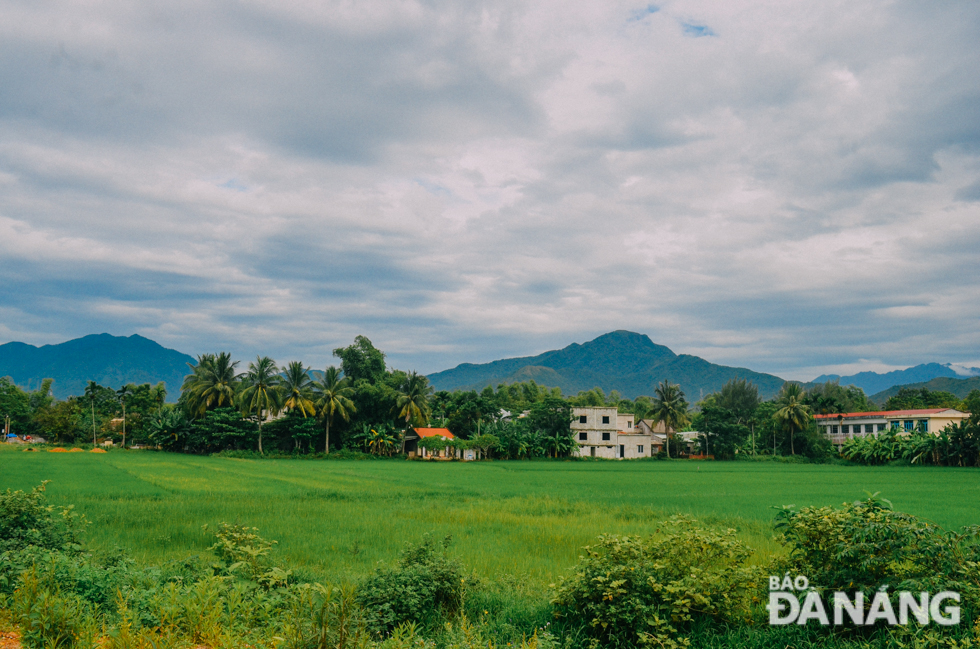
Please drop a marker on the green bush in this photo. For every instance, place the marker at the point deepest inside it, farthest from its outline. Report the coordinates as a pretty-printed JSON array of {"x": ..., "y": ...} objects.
[
  {"x": 866, "y": 545},
  {"x": 629, "y": 591},
  {"x": 326, "y": 618},
  {"x": 49, "y": 618},
  {"x": 426, "y": 583},
  {"x": 26, "y": 519},
  {"x": 244, "y": 553}
]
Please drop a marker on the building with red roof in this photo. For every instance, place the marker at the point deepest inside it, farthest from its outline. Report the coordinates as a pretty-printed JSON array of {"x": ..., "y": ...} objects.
[
  {"x": 841, "y": 427},
  {"x": 416, "y": 435}
]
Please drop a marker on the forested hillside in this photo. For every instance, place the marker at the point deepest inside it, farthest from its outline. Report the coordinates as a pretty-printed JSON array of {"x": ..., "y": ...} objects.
[
  {"x": 628, "y": 362},
  {"x": 108, "y": 360}
]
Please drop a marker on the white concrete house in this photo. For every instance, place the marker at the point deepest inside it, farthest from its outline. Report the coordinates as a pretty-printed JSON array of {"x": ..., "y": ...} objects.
[{"x": 603, "y": 432}]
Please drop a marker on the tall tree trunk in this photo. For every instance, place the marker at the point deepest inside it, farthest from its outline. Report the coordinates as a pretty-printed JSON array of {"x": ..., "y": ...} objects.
[
  {"x": 326, "y": 438},
  {"x": 260, "y": 433},
  {"x": 124, "y": 424},
  {"x": 94, "y": 437},
  {"x": 792, "y": 451}
]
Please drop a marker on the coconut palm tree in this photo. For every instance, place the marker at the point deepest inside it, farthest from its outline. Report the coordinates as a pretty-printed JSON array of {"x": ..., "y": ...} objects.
[
  {"x": 670, "y": 407},
  {"x": 333, "y": 398},
  {"x": 793, "y": 415},
  {"x": 158, "y": 393},
  {"x": 91, "y": 390},
  {"x": 212, "y": 383},
  {"x": 123, "y": 393},
  {"x": 297, "y": 389},
  {"x": 413, "y": 400},
  {"x": 260, "y": 394}
]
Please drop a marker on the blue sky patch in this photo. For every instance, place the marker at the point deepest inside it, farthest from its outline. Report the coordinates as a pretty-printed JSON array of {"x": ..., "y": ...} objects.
[
  {"x": 640, "y": 14},
  {"x": 234, "y": 184},
  {"x": 697, "y": 31}
]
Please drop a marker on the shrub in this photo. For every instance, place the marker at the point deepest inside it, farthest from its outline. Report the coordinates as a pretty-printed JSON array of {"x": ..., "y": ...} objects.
[
  {"x": 629, "y": 590},
  {"x": 246, "y": 554},
  {"x": 326, "y": 618},
  {"x": 426, "y": 583},
  {"x": 866, "y": 545},
  {"x": 27, "y": 519},
  {"x": 49, "y": 618}
]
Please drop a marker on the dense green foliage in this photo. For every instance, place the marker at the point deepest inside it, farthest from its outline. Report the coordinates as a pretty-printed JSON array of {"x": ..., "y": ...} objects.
[
  {"x": 629, "y": 591},
  {"x": 912, "y": 399},
  {"x": 866, "y": 546},
  {"x": 955, "y": 445},
  {"x": 425, "y": 585},
  {"x": 26, "y": 519},
  {"x": 97, "y": 415}
]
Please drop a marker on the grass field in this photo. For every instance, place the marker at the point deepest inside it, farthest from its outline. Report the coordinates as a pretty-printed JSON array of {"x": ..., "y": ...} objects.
[{"x": 337, "y": 519}]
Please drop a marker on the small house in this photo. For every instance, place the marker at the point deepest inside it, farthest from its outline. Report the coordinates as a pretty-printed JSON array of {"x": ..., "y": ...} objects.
[{"x": 416, "y": 435}]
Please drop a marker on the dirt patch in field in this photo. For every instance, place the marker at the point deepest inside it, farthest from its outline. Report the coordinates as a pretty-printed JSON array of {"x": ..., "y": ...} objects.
[{"x": 9, "y": 640}]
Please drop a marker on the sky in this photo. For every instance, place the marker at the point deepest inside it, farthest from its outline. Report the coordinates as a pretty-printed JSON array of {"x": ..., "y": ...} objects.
[{"x": 789, "y": 187}]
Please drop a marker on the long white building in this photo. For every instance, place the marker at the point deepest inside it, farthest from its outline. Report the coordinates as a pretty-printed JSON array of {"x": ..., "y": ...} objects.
[{"x": 844, "y": 426}]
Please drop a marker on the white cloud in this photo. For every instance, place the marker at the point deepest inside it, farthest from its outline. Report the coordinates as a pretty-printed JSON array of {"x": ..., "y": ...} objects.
[{"x": 463, "y": 182}]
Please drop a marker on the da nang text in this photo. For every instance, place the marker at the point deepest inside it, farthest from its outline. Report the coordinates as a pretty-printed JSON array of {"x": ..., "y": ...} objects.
[{"x": 792, "y": 601}]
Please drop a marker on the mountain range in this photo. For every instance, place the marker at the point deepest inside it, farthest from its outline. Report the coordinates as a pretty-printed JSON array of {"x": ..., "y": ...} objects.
[
  {"x": 873, "y": 382},
  {"x": 628, "y": 362},
  {"x": 108, "y": 360},
  {"x": 959, "y": 387}
]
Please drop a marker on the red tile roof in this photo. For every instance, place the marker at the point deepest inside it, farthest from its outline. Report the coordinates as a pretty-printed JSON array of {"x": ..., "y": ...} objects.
[
  {"x": 883, "y": 413},
  {"x": 434, "y": 432}
]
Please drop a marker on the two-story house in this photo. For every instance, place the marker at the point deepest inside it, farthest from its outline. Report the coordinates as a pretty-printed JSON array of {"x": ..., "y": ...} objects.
[
  {"x": 603, "y": 432},
  {"x": 844, "y": 426}
]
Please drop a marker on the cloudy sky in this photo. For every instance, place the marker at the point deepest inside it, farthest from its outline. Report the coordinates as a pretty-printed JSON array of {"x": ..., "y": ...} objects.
[{"x": 792, "y": 187}]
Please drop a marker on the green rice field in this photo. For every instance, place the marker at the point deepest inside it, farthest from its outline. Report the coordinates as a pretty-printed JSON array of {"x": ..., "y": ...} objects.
[{"x": 336, "y": 519}]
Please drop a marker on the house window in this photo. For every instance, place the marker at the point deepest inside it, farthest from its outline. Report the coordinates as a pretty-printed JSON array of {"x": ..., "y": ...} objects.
[
  {"x": 605, "y": 419},
  {"x": 583, "y": 437},
  {"x": 639, "y": 449},
  {"x": 924, "y": 425},
  {"x": 881, "y": 427},
  {"x": 583, "y": 419},
  {"x": 605, "y": 437},
  {"x": 845, "y": 429},
  {"x": 629, "y": 424},
  {"x": 833, "y": 430},
  {"x": 909, "y": 424},
  {"x": 869, "y": 428}
]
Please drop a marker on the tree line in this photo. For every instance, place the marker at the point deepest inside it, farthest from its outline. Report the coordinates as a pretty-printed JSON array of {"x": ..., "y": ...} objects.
[{"x": 363, "y": 405}]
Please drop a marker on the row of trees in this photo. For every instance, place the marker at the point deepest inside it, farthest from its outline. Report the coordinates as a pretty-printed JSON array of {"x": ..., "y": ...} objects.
[
  {"x": 364, "y": 405},
  {"x": 100, "y": 413}
]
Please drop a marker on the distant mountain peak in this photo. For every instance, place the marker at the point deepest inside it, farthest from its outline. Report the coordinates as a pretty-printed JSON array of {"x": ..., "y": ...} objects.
[
  {"x": 621, "y": 360},
  {"x": 107, "y": 359},
  {"x": 874, "y": 382}
]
